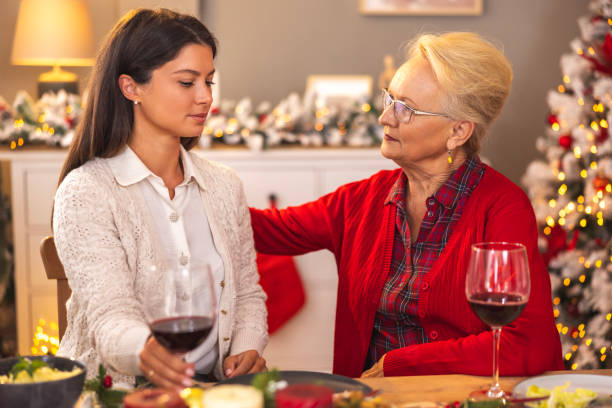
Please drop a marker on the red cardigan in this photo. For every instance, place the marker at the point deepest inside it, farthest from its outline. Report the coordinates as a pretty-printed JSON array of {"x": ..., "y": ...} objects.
[{"x": 357, "y": 227}]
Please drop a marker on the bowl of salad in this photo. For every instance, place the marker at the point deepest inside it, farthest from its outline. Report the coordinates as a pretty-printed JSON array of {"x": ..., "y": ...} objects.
[{"x": 40, "y": 381}]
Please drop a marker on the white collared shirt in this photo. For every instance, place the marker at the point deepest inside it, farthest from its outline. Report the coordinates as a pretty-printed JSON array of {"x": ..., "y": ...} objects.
[{"x": 183, "y": 230}]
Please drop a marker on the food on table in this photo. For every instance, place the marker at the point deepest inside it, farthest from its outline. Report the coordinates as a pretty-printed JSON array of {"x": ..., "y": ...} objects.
[
  {"x": 560, "y": 397},
  {"x": 356, "y": 399},
  {"x": 29, "y": 371},
  {"x": 304, "y": 395},
  {"x": 233, "y": 396},
  {"x": 154, "y": 398},
  {"x": 193, "y": 397}
]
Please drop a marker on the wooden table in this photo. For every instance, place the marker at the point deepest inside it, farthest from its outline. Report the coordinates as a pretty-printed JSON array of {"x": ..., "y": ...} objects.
[{"x": 444, "y": 388}]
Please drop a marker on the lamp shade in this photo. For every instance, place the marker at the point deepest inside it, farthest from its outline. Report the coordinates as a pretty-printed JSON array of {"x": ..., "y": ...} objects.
[{"x": 53, "y": 32}]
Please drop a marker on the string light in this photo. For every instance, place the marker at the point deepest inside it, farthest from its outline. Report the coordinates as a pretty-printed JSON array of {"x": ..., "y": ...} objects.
[
  {"x": 45, "y": 342},
  {"x": 562, "y": 189},
  {"x": 561, "y": 176},
  {"x": 561, "y": 89},
  {"x": 577, "y": 152},
  {"x": 581, "y": 103}
]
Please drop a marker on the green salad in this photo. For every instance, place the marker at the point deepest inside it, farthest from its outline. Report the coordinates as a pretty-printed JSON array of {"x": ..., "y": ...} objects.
[{"x": 560, "y": 397}]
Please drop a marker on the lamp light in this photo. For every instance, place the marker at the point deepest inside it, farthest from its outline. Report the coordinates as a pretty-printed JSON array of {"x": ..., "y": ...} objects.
[{"x": 53, "y": 33}]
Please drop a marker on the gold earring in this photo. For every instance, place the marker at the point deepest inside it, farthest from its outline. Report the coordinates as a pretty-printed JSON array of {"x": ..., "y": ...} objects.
[{"x": 450, "y": 159}]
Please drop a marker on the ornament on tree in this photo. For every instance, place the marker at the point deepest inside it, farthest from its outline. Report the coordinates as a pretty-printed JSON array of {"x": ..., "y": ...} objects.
[
  {"x": 552, "y": 119},
  {"x": 600, "y": 183},
  {"x": 565, "y": 141}
]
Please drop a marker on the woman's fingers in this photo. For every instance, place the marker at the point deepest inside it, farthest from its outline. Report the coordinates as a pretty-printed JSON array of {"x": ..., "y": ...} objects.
[
  {"x": 260, "y": 365},
  {"x": 164, "y": 368},
  {"x": 245, "y": 362}
]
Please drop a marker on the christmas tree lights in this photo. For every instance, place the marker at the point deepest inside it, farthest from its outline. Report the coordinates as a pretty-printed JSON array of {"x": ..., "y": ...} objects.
[{"x": 572, "y": 193}]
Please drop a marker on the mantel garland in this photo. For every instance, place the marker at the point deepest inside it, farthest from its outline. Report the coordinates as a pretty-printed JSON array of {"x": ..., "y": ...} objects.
[{"x": 297, "y": 121}]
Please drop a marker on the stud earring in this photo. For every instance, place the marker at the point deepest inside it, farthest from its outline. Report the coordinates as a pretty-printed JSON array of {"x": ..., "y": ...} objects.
[
  {"x": 449, "y": 158},
  {"x": 136, "y": 102}
]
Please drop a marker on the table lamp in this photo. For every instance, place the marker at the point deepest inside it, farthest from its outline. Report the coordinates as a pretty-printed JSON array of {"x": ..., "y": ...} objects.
[{"x": 54, "y": 33}]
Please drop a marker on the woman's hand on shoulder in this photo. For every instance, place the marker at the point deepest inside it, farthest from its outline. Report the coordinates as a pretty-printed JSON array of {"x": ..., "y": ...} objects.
[
  {"x": 377, "y": 370},
  {"x": 243, "y": 363},
  {"x": 163, "y": 368}
]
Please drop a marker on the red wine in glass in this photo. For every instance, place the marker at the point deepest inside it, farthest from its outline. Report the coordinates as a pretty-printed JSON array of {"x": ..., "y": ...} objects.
[
  {"x": 497, "y": 286},
  {"x": 182, "y": 334},
  {"x": 497, "y": 309},
  {"x": 183, "y": 312}
]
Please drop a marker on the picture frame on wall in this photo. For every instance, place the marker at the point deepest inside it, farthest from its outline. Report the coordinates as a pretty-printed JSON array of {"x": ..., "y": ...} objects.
[
  {"x": 421, "y": 7},
  {"x": 338, "y": 90}
]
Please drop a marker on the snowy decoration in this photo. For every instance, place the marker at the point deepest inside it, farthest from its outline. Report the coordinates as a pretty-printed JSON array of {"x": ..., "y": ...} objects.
[{"x": 293, "y": 121}]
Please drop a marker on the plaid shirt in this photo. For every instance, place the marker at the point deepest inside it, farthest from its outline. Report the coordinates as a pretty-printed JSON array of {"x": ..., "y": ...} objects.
[{"x": 397, "y": 323}]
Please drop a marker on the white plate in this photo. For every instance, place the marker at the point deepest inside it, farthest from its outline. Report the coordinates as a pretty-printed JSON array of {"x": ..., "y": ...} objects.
[{"x": 601, "y": 384}]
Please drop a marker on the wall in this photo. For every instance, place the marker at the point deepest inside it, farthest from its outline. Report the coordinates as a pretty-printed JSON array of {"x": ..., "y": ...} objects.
[{"x": 269, "y": 47}]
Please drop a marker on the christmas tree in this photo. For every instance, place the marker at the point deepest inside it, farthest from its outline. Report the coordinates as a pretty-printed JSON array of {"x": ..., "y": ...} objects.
[{"x": 572, "y": 193}]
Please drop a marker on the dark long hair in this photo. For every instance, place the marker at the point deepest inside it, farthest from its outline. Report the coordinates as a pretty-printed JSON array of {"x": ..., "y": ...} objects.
[{"x": 140, "y": 42}]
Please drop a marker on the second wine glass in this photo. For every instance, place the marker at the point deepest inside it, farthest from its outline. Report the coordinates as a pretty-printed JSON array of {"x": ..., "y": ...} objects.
[
  {"x": 183, "y": 313},
  {"x": 497, "y": 288}
]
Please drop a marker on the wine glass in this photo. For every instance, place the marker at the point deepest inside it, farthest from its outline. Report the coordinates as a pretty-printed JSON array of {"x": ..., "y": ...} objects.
[
  {"x": 497, "y": 288},
  {"x": 182, "y": 313}
]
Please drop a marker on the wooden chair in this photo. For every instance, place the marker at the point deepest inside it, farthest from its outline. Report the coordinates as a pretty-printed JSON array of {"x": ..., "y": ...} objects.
[{"x": 55, "y": 270}]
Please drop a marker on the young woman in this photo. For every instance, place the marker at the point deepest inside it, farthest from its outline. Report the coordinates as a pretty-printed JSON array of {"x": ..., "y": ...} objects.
[{"x": 131, "y": 194}]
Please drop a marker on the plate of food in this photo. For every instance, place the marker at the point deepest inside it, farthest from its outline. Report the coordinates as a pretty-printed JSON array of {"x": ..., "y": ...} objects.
[
  {"x": 568, "y": 390},
  {"x": 337, "y": 383}
]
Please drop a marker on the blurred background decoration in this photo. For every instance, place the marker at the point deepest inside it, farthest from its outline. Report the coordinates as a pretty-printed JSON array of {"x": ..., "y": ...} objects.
[
  {"x": 54, "y": 33},
  {"x": 296, "y": 121}
]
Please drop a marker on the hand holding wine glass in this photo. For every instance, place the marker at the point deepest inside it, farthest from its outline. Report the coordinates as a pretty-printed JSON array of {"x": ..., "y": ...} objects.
[
  {"x": 181, "y": 316},
  {"x": 497, "y": 288}
]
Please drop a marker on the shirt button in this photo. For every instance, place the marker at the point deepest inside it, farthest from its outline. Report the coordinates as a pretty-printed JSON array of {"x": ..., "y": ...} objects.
[
  {"x": 226, "y": 339},
  {"x": 173, "y": 217},
  {"x": 224, "y": 312},
  {"x": 222, "y": 284},
  {"x": 425, "y": 286},
  {"x": 431, "y": 201},
  {"x": 433, "y": 334},
  {"x": 183, "y": 259},
  {"x": 429, "y": 213}
]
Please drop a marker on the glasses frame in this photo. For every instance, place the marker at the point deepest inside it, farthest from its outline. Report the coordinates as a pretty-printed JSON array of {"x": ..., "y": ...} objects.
[{"x": 385, "y": 95}]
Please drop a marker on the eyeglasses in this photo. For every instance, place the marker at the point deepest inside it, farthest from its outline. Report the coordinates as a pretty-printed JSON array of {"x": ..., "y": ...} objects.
[{"x": 402, "y": 111}]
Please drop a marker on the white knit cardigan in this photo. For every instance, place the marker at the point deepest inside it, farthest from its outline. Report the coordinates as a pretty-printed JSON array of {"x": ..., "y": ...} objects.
[{"x": 105, "y": 239}]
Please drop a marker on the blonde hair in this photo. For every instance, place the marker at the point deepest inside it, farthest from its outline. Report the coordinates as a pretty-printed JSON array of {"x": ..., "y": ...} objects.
[{"x": 475, "y": 75}]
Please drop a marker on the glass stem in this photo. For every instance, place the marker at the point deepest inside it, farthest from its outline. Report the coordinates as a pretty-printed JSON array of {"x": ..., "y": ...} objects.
[{"x": 495, "y": 391}]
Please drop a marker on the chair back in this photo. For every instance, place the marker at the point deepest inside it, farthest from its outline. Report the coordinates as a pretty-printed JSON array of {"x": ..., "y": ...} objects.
[{"x": 55, "y": 270}]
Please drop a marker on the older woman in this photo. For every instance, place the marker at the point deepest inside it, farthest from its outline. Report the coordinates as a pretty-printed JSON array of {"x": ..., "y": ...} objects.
[{"x": 402, "y": 238}]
